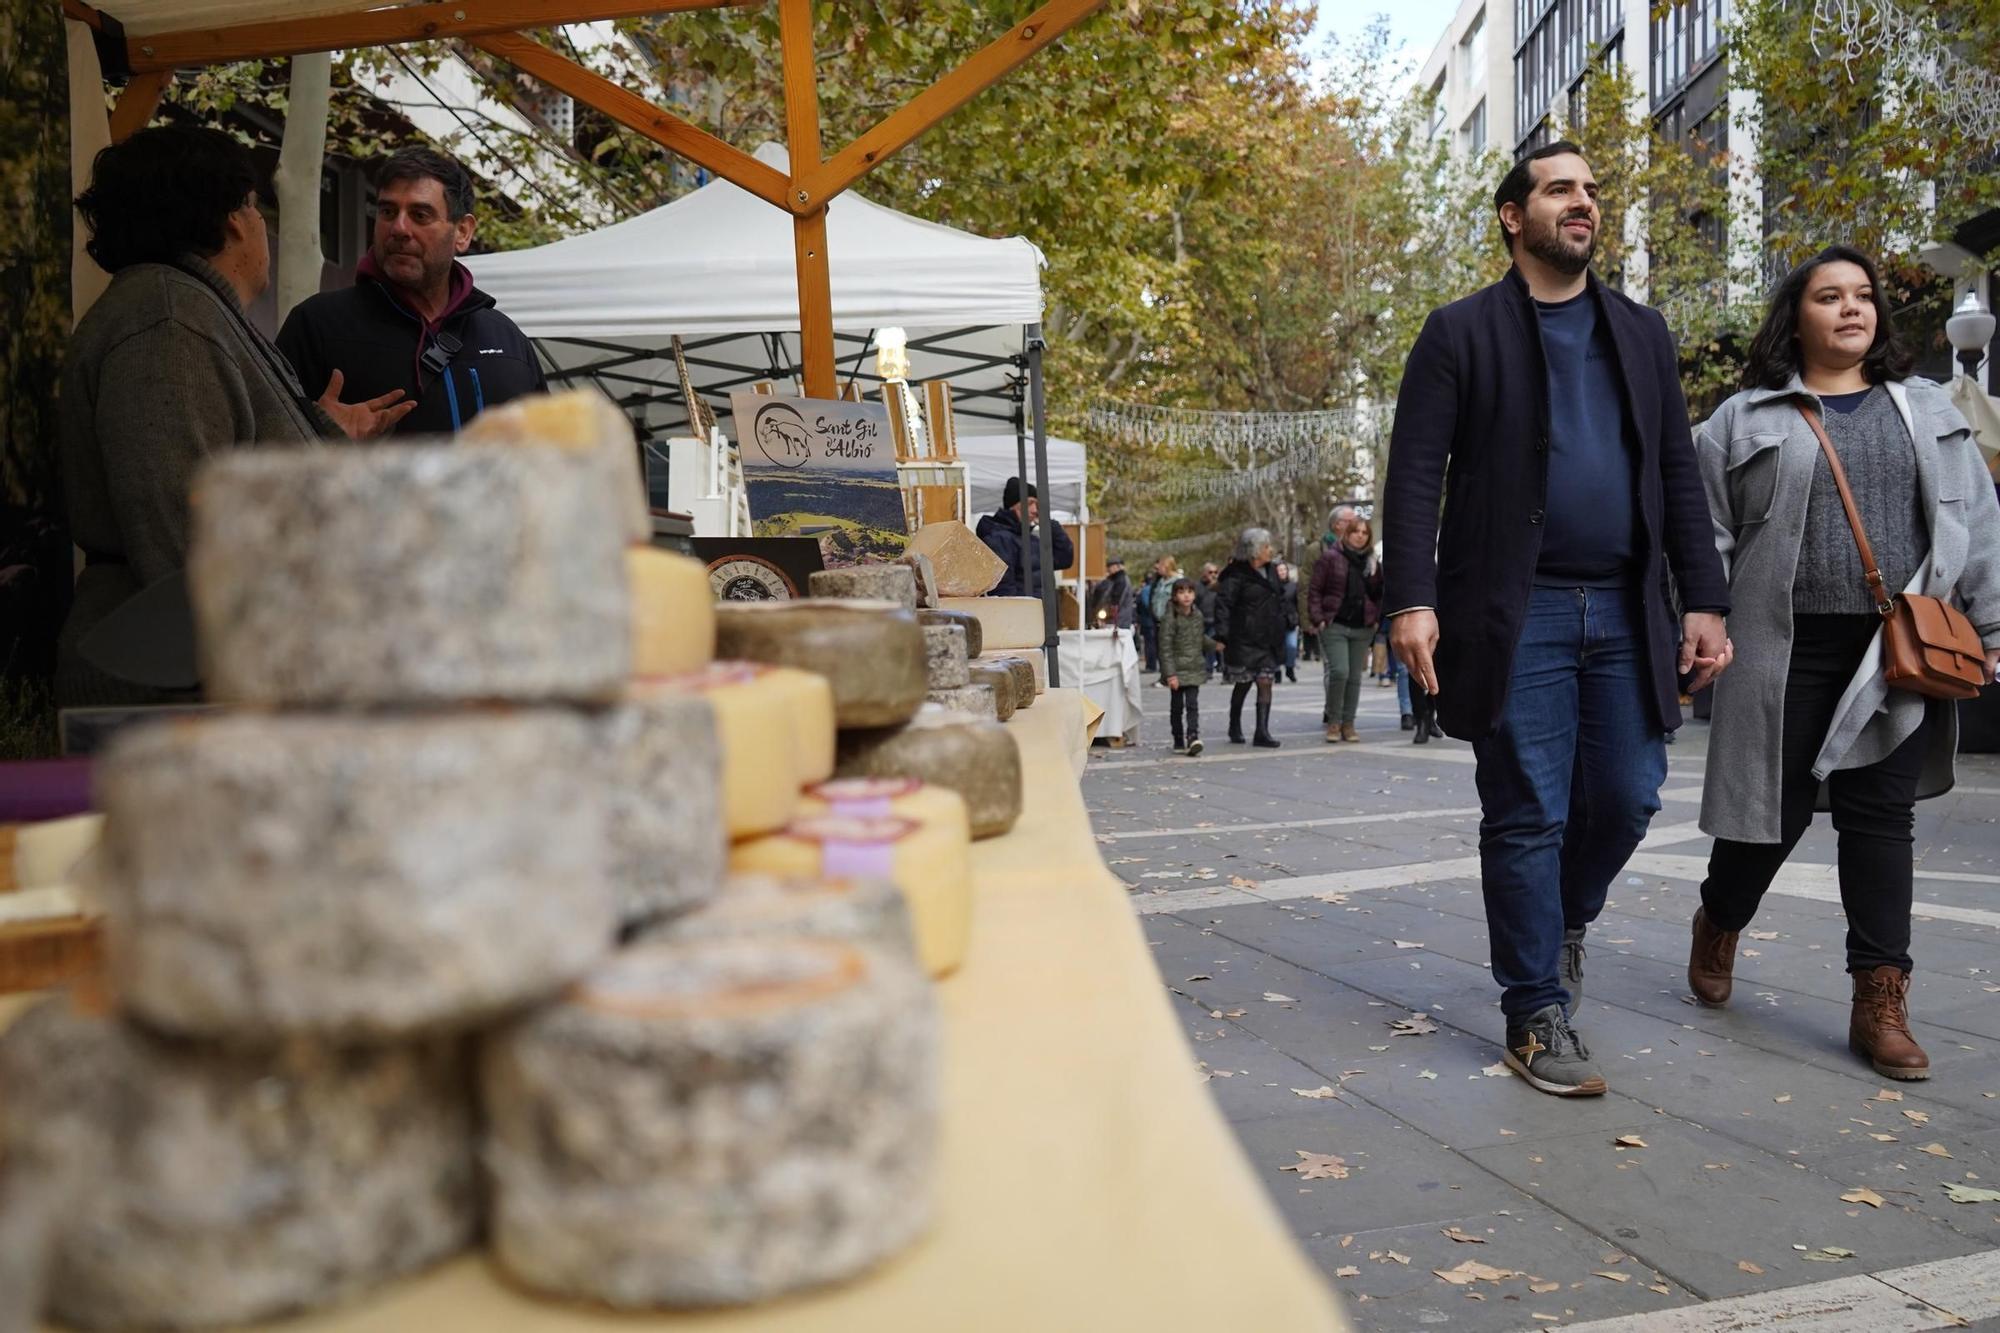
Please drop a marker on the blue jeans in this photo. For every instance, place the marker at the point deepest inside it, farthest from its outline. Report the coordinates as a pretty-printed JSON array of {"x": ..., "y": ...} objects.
[
  {"x": 1567, "y": 783},
  {"x": 1401, "y": 675},
  {"x": 1291, "y": 652}
]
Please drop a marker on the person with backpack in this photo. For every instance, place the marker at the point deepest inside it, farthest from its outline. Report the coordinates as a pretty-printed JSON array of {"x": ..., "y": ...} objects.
[{"x": 1184, "y": 645}]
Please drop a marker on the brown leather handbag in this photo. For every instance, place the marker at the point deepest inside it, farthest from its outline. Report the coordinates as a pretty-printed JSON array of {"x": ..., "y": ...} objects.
[{"x": 1928, "y": 646}]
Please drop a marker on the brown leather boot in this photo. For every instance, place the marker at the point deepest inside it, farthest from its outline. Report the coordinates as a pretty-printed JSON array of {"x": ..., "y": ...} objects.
[
  {"x": 1348, "y": 733},
  {"x": 1711, "y": 961},
  {"x": 1879, "y": 1031}
]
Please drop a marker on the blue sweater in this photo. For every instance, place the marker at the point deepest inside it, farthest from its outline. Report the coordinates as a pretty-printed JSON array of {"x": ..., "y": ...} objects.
[{"x": 1590, "y": 537}]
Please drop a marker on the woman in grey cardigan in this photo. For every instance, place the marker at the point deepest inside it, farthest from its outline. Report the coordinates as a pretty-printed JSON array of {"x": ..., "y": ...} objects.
[{"x": 1806, "y": 720}]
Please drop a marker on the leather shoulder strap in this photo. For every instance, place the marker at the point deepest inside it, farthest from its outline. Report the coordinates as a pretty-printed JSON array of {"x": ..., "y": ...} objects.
[{"x": 1870, "y": 572}]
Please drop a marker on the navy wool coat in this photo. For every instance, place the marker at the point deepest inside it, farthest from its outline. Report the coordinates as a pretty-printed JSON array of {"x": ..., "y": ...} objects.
[{"x": 1468, "y": 478}]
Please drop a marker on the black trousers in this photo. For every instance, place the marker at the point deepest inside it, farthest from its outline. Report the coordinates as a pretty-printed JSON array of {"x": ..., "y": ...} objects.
[
  {"x": 1873, "y": 807},
  {"x": 1185, "y": 701}
]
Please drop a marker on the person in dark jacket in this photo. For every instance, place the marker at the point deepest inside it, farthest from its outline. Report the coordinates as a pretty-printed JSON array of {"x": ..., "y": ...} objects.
[
  {"x": 1250, "y": 627},
  {"x": 1545, "y": 411},
  {"x": 1184, "y": 646},
  {"x": 1001, "y": 531},
  {"x": 1289, "y": 583},
  {"x": 1345, "y": 604},
  {"x": 1148, "y": 623},
  {"x": 413, "y": 320},
  {"x": 1204, "y": 601},
  {"x": 1113, "y": 601}
]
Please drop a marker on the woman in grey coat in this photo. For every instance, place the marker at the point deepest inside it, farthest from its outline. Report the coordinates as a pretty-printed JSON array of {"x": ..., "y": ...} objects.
[{"x": 1806, "y": 719}]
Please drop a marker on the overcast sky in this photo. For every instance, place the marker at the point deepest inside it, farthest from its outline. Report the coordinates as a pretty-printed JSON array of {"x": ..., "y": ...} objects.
[{"x": 1416, "y": 25}]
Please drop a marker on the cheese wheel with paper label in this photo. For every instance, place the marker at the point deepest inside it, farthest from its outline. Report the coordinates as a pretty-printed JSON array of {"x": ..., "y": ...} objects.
[
  {"x": 352, "y": 875},
  {"x": 882, "y": 798},
  {"x": 714, "y": 1122},
  {"x": 865, "y": 911},
  {"x": 205, "y": 1185},
  {"x": 976, "y": 758},
  {"x": 673, "y": 612},
  {"x": 871, "y": 652},
  {"x": 583, "y": 422},
  {"x": 757, "y": 722},
  {"x": 407, "y": 574},
  {"x": 1005, "y": 622},
  {"x": 927, "y": 863}
]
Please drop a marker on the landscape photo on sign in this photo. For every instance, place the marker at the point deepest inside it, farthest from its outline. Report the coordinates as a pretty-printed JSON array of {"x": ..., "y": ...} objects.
[{"x": 822, "y": 468}]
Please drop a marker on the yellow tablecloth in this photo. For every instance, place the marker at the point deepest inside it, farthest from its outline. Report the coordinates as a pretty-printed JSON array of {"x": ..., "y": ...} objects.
[{"x": 1086, "y": 1183}]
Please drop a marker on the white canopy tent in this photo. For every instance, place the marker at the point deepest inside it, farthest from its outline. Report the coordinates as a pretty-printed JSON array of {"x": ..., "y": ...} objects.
[
  {"x": 716, "y": 267},
  {"x": 993, "y": 459}
]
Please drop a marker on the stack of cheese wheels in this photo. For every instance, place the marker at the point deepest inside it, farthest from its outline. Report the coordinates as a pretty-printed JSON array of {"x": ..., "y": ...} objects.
[
  {"x": 664, "y": 828},
  {"x": 1033, "y": 661},
  {"x": 975, "y": 641},
  {"x": 712, "y": 1122},
  {"x": 881, "y": 583},
  {"x": 186, "y": 1184},
  {"x": 871, "y": 652},
  {"x": 1000, "y": 681},
  {"x": 1005, "y": 623},
  {"x": 975, "y": 757},
  {"x": 776, "y": 726},
  {"x": 924, "y": 851},
  {"x": 947, "y": 662},
  {"x": 869, "y": 912}
]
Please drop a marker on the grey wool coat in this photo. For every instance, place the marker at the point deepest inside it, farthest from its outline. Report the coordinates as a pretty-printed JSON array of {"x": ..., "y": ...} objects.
[{"x": 1757, "y": 459}]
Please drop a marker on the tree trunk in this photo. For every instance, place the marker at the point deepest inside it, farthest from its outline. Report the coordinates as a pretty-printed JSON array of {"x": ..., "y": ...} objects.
[
  {"x": 297, "y": 181},
  {"x": 34, "y": 265}
]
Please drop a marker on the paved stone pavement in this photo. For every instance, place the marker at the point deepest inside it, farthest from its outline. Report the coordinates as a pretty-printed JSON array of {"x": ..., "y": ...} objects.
[{"x": 1302, "y": 901}]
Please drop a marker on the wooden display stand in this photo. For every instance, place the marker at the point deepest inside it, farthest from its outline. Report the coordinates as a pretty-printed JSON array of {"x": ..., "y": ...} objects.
[{"x": 1089, "y": 553}]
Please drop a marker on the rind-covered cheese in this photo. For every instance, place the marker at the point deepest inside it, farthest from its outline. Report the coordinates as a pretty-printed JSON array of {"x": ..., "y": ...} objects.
[
  {"x": 977, "y": 700},
  {"x": 664, "y": 833},
  {"x": 876, "y": 798},
  {"x": 673, "y": 612},
  {"x": 965, "y": 565},
  {"x": 714, "y": 1123},
  {"x": 878, "y": 583},
  {"x": 926, "y": 862},
  {"x": 868, "y": 911},
  {"x": 1005, "y": 622},
  {"x": 965, "y": 620},
  {"x": 811, "y": 698},
  {"x": 1001, "y": 681},
  {"x": 583, "y": 422},
  {"x": 402, "y": 573},
  {"x": 1024, "y": 673},
  {"x": 758, "y": 720},
  {"x": 944, "y": 651},
  {"x": 973, "y": 757},
  {"x": 1037, "y": 663},
  {"x": 871, "y": 652},
  {"x": 205, "y": 1185},
  {"x": 352, "y": 875},
  {"x": 926, "y": 588}
]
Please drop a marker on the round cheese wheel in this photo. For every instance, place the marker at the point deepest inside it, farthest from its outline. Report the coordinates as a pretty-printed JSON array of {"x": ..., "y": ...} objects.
[
  {"x": 713, "y": 1123},
  {"x": 1002, "y": 682},
  {"x": 673, "y": 612},
  {"x": 964, "y": 620},
  {"x": 758, "y": 719},
  {"x": 583, "y": 422},
  {"x": 873, "y": 798},
  {"x": 407, "y": 574},
  {"x": 871, "y": 652},
  {"x": 1024, "y": 678},
  {"x": 354, "y": 875},
  {"x": 1037, "y": 662},
  {"x": 944, "y": 651},
  {"x": 1007, "y": 622},
  {"x": 976, "y": 758},
  {"x": 866, "y": 911},
  {"x": 977, "y": 700},
  {"x": 811, "y": 699},
  {"x": 203, "y": 1184},
  {"x": 928, "y": 864},
  {"x": 880, "y": 583},
  {"x": 664, "y": 832}
]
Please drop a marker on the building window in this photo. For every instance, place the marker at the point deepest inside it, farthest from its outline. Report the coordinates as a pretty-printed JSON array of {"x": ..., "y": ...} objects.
[
  {"x": 1437, "y": 106},
  {"x": 1475, "y": 130},
  {"x": 1686, "y": 38},
  {"x": 1472, "y": 48}
]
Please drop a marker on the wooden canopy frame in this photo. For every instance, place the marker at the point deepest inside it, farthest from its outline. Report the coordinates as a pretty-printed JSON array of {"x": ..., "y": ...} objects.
[{"x": 499, "y": 27}]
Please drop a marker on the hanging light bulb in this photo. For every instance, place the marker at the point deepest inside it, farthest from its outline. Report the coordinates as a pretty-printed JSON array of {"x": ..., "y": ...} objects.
[{"x": 892, "y": 354}]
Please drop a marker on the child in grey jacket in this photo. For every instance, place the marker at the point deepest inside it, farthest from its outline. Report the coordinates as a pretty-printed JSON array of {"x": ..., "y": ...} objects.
[{"x": 1184, "y": 649}]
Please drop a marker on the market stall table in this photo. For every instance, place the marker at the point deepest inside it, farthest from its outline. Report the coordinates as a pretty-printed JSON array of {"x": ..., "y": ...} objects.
[
  {"x": 1104, "y": 664},
  {"x": 1086, "y": 1181}
]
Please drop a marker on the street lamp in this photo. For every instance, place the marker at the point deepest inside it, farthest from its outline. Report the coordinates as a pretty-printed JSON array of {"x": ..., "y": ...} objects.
[{"x": 1970, "y": 330}]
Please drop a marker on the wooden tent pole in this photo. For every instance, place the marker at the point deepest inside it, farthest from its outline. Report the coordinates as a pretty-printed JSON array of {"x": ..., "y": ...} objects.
[
  {"x": 137, "y": 104},
  {"x": 808, "y": 228}
]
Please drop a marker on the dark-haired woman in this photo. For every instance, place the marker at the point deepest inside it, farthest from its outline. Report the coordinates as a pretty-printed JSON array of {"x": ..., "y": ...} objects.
[
  {"x": 166, "y": 368},
  {"x": 1807, "y": 713},
  {"x": 1250, "y": 629}
]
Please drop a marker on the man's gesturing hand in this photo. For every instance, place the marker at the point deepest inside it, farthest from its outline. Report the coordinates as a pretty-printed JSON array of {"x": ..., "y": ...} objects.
[
  {"x": 363, "y": 421},
  {"x": 1413, "y": 637},
  {"x": 1705, "y": 648}
]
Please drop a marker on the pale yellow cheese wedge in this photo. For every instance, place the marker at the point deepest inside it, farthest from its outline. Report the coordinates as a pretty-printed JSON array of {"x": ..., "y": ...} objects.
[
  {"x": 1006, "y": 623},
  {"x": 929, "y": 864},
  {"x": 673, "y": 612},
  {"x": 48, "y": 851},
  {"x": 756, "y": 720},
  {"x": 811, "y": 696}
]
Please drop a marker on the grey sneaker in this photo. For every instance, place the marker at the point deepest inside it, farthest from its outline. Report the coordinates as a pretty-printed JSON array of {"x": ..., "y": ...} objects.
[
  {"x": 1546, "y": 1051},
  {"x": 1572, "y": 967}
]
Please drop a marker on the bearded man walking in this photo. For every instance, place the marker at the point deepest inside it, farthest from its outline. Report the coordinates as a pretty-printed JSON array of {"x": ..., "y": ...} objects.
[{"x": 1545, "y": 412}]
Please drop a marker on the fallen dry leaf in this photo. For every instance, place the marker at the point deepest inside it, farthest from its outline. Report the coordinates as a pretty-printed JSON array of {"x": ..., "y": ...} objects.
[
  {"x": 1615, "y": 1277},
  {"x": 1862, "y": 1194},
  {"x": 1918, "y": 1117},
  {"x": 1409, "y": 944},
  {"x": 1762, "y": 934},
  {"x": 1276, "y": 998},
  {"x": 1346, "y": 1240},
  {"x": 1970, "y": 1193},
  {"x": 1464, "y": 1237},
  {"x": 1749, "y": 1267},
  {"x": 1428, "y": 1073},
  {"x": 1936, "y": 1150},
  {"x": 1498, "y": 1069},
  {"x": 1544, "y": 1288},
  {"x": 1227, "y": 1013},
  {"x": 1319, "y": 1094},
  {"x": 1887, "y": 1095},
  {"x": 1828, "y": 1254},
  {"x": 1402, "y": 1259},
  {"x": 1199, "y": 976},
  {"x": 1883, "y": 1138},
  {"x": 1416, "y": 1025},
  {"x": 1347, "y": 1270},
  {"x": 1473, "y": 1271},
  {"x": 1238, "y": 882},
  {"x": 1317, "y": 1166},
  {"x": 1662, "y": 1288},
  {"x": 1629, "y": 1141},
  {"x": 1782, "y": 1100}
]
